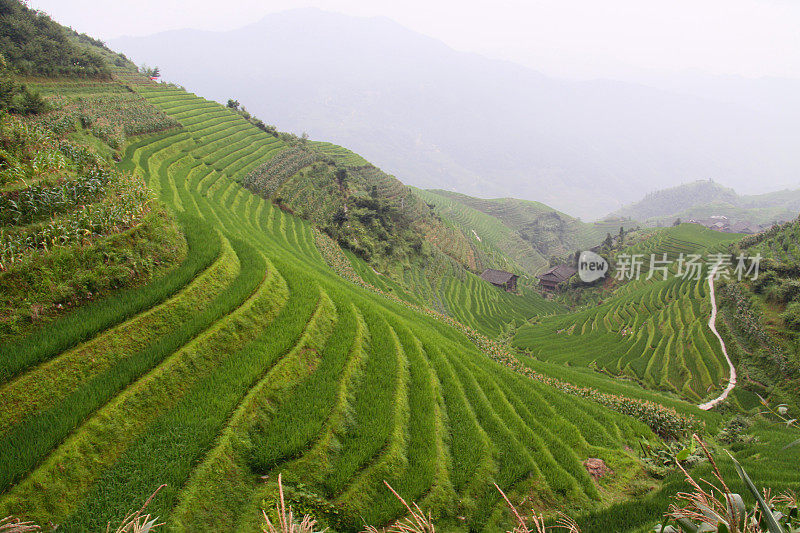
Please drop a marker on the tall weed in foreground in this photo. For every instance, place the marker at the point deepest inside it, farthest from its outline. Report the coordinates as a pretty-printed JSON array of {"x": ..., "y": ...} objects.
[
  {"x": 416, "y": 521},
  {"x": 537, "y": 523},
  {"x": 134, "y": 522},
  {"x": 10, "y": 524},
  {"x": 137, "y": 521},
  {"x": 712, "y": 507},
  {"x": 286, "y": 522}
]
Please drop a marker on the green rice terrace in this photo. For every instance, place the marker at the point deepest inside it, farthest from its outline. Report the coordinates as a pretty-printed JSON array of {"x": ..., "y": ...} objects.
[
  {"x": 262, "y": 361},
  {"x": 194, "y": 305},
  {"x": 653, "y": 331}
]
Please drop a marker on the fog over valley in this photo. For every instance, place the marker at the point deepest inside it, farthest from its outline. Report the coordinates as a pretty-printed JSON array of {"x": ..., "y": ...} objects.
[{"x": 439, "y": 118}]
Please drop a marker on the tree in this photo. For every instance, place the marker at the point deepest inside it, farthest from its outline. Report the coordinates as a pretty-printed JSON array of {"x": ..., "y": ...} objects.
[
  {"x": 791, "y": 317},
  {"x": 18, "y": 99},
  {"x": 341, "y": 176},
  {"x": 31, "y": 103},
  {"x": 340, "y": 217},
  {"x": 150, "y": 72},
  {"x": 609, "y": 241},
  {"x": 233, "y": 104},
  {"x": 677, "y": 222}
]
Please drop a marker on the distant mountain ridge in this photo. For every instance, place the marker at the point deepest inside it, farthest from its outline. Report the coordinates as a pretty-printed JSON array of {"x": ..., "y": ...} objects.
[
  {"x": 705, "y": 198},
  {"x": 439, "y": 118}
]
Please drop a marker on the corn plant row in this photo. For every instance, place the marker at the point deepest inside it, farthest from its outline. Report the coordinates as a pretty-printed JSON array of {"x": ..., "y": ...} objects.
[
  {"x": 127, "y": 201},
  {"x": 41, "y": 200},
  {"x": 28, "y": 151},
  {"x": 110, "y": 117},
  {"x": 267, "y": 178}
]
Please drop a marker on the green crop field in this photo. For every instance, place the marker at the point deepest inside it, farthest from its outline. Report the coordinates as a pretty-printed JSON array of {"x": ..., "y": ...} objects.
[
  {"x": 784, "y": 245},
  {"x": 464, "y": 296},
  {"x": 195, "y": 306},
  {"x": 257, "y": 359},
  {"x": 340, "y": 154},
  {"x": 653, "y": 331}
]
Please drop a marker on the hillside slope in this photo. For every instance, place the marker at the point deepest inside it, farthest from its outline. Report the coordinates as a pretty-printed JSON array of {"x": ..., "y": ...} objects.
[
  {"x": 531, "y": 232},
  {"x": 233, "y": 341},
  {"x": 497, "y": 244},
  {"x": 764, "y": 313},
  {"x": 263, "y": 361},
  {"x": 409, "y": 249}
]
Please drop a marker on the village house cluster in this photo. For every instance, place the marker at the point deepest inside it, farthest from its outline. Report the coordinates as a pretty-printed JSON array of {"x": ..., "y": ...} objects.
[{"x": 725, "y": 225}]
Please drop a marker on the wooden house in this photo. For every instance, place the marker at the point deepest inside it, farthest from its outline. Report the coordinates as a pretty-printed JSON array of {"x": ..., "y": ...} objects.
[
  {"x": 501, "y": 278},
  {"x": 554, "y": 277}
]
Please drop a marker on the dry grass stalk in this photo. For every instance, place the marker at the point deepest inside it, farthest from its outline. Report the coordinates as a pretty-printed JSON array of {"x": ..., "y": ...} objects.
[
  {"x": 415, "y": 522},
  {"x": 10, "y": 524},
  {"x": 136, "y": 521},
  {"x": 709, "y": 503},
  {"x": 712, "y": 505},
  {"x": 286, "y": 522},
  {"x": 563, "y": 522}
]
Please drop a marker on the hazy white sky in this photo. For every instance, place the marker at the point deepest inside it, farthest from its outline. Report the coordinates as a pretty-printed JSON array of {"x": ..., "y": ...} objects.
[{"x": 571, "y": 38}]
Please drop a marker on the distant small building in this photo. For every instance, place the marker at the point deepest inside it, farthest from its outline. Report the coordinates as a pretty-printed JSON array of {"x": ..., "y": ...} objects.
[
  {"x": 715, "y": 222},
  {"x": 553, "y": 278},
  {"x": 501, "y": 278},
  {"x": 744, "y": 227}
]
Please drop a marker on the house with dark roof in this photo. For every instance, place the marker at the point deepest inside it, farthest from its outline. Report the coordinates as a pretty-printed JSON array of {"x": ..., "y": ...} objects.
[
  {"x": 501, "y": 278},
  {"x": 744, "y": 227},
  {"x": 554, "y": 277}
]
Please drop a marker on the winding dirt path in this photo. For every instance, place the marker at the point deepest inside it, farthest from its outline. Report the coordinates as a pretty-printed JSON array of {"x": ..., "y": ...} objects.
[{"x": 712, "y": 325}]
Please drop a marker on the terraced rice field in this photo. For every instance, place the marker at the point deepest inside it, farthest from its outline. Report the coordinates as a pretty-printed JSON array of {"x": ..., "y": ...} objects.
[
  {"x": 257, "y": 359},
  {"x": 463, "y": 295},
  {"x": 340, "y": 154},
  {"x": 442, "y": 284},
  {"x": 495, "y": 241},
  {"x": 783, "y": 246},
  {"x": 653, "y": 331},
  {"x": 552, "y": 232}
]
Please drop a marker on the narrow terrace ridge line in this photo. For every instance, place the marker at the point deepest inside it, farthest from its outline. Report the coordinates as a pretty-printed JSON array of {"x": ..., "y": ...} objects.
[{"x": 712, "y": 325}]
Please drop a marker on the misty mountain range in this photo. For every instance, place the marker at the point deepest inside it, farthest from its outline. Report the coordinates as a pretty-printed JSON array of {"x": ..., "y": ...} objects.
[{"x": 439, "y": 118}]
